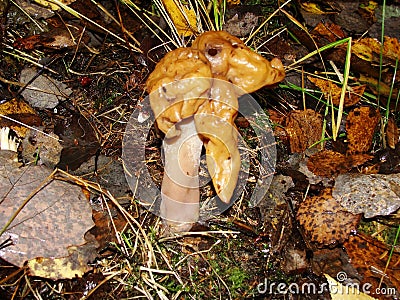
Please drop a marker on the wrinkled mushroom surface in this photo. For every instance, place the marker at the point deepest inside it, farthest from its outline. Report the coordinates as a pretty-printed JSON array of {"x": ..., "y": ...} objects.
[
  {"x": 215, "y": 124},
  {"x": 194, "y": 95},
  {"x": 232, "y": 60},
  {"x": 171, "y": 97}
]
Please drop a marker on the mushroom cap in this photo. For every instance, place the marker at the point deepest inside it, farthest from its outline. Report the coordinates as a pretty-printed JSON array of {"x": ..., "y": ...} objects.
[
  {"x": 178, "y": 86},
  {"x": 232, "y": 60}
]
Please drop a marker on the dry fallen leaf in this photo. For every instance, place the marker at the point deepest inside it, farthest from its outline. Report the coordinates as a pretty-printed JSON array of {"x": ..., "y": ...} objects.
[
  {"x": 382, "y": 87},
  {"x": 184, "y": 19},
  {"x": 339, "y": 291},
  {"x": 55, "y": 218},
  {"x": 329, "y": 163},
  {"x": 392, "y": 133},
  {"x": 328, "y": 30},
  {"x": 324, "y": 221},
  {"x": 69, "y": 267},
  {"x": 56, "y": 38},
  {"x": 370, "y": 257},
  {"x": 373, "y": 195},
  {"x": 20, "y": 111},
  {"x": 370, "y": 48},
  {"x": 304, "y": 128},
  {"x": 333, "y": 91},
  {"x": 43, "y": 92},
  {"x": 360, "y": 127}
]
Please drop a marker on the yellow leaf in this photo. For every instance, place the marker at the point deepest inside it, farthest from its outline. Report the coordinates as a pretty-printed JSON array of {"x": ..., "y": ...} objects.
[
  {"x": 376, "y": 86},
  {"x": 340, "y": 292},
  {"x": 333, "y": 91},
  {"x": 68, "y": 267},
  {"x": 51, "y": 5},
  {"x": 362, "y": 51},
  {"x": 184, "y": 19},
  {"x": 320, "y": 8},
  {"x": 370, "y": 6},
  {"x": 365, "y": 48}
]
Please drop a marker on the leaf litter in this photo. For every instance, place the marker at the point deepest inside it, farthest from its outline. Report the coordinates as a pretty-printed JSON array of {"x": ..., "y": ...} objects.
[{"x": 52, "y": 218}]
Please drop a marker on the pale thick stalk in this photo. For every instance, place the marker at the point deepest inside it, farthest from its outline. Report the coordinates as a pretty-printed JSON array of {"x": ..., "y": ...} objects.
[{"x": 180, "y": 187}]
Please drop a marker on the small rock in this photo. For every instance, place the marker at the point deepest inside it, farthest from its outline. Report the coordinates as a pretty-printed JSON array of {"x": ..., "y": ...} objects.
[{"x": 43, "y": 92}]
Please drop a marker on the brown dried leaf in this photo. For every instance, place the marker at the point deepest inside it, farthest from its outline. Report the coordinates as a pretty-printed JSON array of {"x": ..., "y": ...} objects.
[
  {"x": 55, "y": 218},
  {"x": 392, "y": 133},
  {"x": 324, "y": 221},
  {"x": 369, "y": 257},
  {"x": 329, "y": 31},
  {"x": 278, "y": 120},
  {"x": 329, "y": 163},
  {"x": 333, "y": 91},
  {"x": 20, "y": 111},
  {"x": 365, "y": 48},
  {"x": 360, "y": 126},
  {"x": 104, "y": 231},
  {"x": 304, "y": 128}
]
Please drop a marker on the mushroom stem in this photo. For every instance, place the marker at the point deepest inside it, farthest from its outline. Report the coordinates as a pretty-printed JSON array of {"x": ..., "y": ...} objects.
[{"x": 180, "y": 193}]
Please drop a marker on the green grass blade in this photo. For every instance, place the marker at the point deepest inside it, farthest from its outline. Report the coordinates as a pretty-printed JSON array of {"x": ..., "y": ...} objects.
[{"x": 344, "y": 89}]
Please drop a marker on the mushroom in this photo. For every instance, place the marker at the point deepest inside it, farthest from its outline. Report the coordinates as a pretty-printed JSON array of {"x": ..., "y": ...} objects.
[
  {"x": 194, "y": 95},
  {"x": 232, "y": 61},
  {"x": 177, "y": 87}
]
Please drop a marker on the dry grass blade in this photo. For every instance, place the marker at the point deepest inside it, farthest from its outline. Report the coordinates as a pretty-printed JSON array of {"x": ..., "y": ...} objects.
[
  {"x": 30, "y": 127},
  {"x": 335, "y": 129}
]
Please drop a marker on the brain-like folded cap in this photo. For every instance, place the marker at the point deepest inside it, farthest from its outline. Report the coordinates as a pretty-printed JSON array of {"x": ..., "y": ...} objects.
[
  {"x": 205, "y": 81},
  {"x": 232, "y": 60},
  {"x": 178, "y": 86}
]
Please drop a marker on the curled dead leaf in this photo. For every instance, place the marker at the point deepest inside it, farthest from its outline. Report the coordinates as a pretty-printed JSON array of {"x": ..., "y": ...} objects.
[
  {"x": 324, "y": 221},
  {"x": 360, "y": 126},
  {"x": 392, "y": 133},
  {"x": 329, "y": 163},
  {"x": 304, "y": 128},
  {"x": 333, "y": 91}
]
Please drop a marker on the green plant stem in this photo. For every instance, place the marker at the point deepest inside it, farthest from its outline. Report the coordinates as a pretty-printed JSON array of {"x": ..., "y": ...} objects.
[
  {"x": 381, "y": 50},
  {"x": 390, "y": 255}
]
